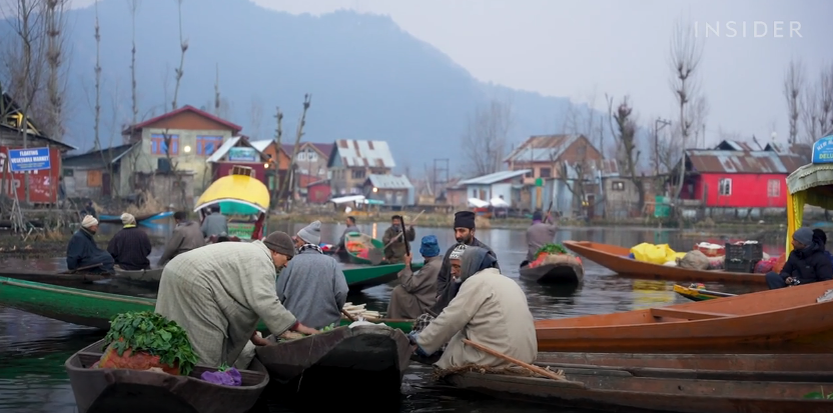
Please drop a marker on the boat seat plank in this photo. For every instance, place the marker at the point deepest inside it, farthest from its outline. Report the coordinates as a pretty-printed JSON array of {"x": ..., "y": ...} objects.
[{"x": 687, "y": 314}]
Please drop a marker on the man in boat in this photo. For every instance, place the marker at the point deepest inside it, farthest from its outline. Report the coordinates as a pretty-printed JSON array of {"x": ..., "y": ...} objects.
[
  {"x": 351, "y": 227},
  {"x": 312, "y": 286},
  {"x": 89, "y": 209},
  {"x": 186, "y": 237},
  {"x": 417, "y": 291},
  {"x": 538, "y": 234},
  {"x": 490, "y": 309},
  {"x": 215, "y": 223},
  {"x": 395, "y": 252},
  {"x": 807, "y": 263},
  {"x": 464, "y": 229},
  {"x": 83, "y": 253},
  {"x": 219, "y": 292},
  {"x": 131, "y": 246}
]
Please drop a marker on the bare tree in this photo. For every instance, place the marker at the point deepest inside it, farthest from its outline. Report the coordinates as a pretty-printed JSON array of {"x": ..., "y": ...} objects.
[
  {"x": 624, "y": 132},
  {"x": 793, "y": 85},
  {"x": 134, "y": 9},
  {"x": 817, "y": 105},
  {"x": 55, "y": 21},
  {"x": 277, "y": 161},
  {"x": 299, "y": 132},
  {"x": 484, "y": 140},
  {"x": 255, "y": 117},
  {"x": 183, "y": 45},
  {"x": 217, "y": 91},
  {"x": 97, "y": 70}
]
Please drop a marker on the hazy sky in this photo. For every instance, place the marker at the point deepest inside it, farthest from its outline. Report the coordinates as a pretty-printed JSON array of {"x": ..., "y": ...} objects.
[{"x": 575, "y": 48}]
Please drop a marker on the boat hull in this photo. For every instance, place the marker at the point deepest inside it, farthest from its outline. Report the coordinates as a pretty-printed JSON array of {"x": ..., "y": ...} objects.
[
  {"x": 127, "y": 391},
  {"x": 695, "y": 294},
  {"x": 149, "y": 277},
  {"x": 560, "y": 273},
  {"x": 616, "y": 259},
  {"x": 354, "y": 258}
]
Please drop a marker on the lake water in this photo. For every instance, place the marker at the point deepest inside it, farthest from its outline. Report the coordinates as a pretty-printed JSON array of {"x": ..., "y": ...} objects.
[{"x": 33, "y": 349}]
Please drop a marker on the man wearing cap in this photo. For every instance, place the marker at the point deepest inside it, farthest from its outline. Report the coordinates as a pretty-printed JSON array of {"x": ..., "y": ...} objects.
[
  {"x": 83, "y": 253},
  {"x": 806, "y": 264},
  {"x": 218, "y": 293},
  {"x": 538, "y": 234},
  {"x": 312, "y": 286},
  {"x": 131, "y": 246},
  {"x": 417, "y": 291},
  {"x": 395, "y": 252},
  {"x": 186, "y": 237}
]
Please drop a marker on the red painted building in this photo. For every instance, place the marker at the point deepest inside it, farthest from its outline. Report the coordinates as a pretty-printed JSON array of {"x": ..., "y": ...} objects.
[
  {"x": 319, "y": 192},
  {"x": 738, "y": 178}
]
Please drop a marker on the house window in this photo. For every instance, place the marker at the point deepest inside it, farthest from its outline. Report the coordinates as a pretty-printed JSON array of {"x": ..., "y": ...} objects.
[
  {"x": 206, "y": 145},
  {"x": 724, "y": 187},
  {"x": 312, "y": 156},
  {"x": 93, "y": 178},
  {"x": 773, "y": 188},
  {"x": 358, "y": 173},
  {"x": 618, "y": 186},
  {"x": 158, "y": 146},
  {"x": 545, "y": 172}
]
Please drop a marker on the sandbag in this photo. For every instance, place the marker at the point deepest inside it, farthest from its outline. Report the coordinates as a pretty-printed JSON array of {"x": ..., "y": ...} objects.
[
  {"x": 656, "y": 254},
  {"x": 694, "y": 260}
]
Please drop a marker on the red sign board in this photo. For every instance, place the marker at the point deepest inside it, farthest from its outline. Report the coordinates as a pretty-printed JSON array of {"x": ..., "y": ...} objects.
[{"x": 43, "y": 185}]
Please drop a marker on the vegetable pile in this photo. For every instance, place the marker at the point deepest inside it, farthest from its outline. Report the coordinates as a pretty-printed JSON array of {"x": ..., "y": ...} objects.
[
  {"x": 358, "y": 248},
  {"x": 292, "y": 335},
  {"x": 144, "y": 340},
  {"x": 547, "y": 249}
]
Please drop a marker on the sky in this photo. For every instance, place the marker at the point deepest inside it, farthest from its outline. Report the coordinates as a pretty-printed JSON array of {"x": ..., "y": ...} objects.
[{"x": 581, "y": 49}]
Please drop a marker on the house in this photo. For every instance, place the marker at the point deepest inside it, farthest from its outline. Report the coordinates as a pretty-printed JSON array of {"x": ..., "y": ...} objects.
[
  {"x": 541, "y": 154},
  {"x": 506, "y": 185},
  {"x": 621, "y": 194},
  {"x": 351, "y": 162},
  {"x": 311, "y": 158},
  {"x": 239, "y": 151},
  {"x": 96, "y": 174},
  {"x": 194, "y": 135},
  {"x": 43, "y": 170},
  {"x": 318, "y": 192},
  {"x": 394, "y": 190}
]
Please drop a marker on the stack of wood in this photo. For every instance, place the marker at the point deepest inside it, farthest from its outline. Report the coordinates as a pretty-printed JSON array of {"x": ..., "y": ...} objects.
[{"x": 359, "y": 310}]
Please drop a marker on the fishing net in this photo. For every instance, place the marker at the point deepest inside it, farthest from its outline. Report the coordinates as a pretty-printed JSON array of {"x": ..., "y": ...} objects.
[
  {"x": 139, "y": 361},
  {"x": 509, "y": 371}
]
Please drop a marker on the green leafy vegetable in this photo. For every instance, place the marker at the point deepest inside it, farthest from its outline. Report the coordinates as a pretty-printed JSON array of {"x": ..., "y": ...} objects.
[
  {"x": 154, "y": 334},
  {"x": 551, "y": 249},
  {"x": 223, "y": 367},
  {"x": 818, "y": 395},
  {"x": 329, "y": 327}
]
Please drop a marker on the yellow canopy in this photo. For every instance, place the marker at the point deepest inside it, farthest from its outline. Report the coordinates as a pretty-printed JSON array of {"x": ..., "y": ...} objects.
[
  {"x": 809, "y": 185},
  {"x": 236, "y": 189}
]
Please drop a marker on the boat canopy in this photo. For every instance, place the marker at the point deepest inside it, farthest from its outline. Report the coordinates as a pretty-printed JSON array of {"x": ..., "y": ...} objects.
[
  {"x": 811, "y": 184},
  {"x": 236, "y": 195}
]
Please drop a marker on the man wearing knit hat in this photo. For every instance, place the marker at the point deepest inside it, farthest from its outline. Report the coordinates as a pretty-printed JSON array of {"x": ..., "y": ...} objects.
[
  {"x": 218, "y": 292},
  {"x": 806, "y": 264},
  {"x": 131, "y": 246},
  {"x": 82, "y": 251},
  {"x": 312, "y": 286},
  {"x": 417, "y": 291}
]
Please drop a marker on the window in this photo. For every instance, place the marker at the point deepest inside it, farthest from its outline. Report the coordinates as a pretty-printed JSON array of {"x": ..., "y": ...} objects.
[
  {"x": 93, "y": 178},
  {"x": 618, "y": 186},
  {"x": 206, "y": 145},
  {"x": 773, "y": 188},
  {"x": 724, "y": 187},
  {"x": 68, "y": 172},
  {"x": 312, "y": 156},
  {"x": 302, "y": 157},
  {"x": 358, "y": 173},
  {"x": 158, "y": 145},
  {"x": 545, "y": 172}
]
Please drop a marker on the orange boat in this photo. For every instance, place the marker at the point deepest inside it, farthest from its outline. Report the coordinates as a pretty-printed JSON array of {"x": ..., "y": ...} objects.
[
  {"x": 788, "y": 319},
  {"x": 616, "y": 259}
]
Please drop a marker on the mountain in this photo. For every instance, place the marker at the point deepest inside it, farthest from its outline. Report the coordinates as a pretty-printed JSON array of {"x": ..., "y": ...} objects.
[{"x": 368, "y": 78}]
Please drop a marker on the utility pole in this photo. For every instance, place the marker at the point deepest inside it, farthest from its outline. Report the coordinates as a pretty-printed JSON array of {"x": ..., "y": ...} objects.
[{"x": 657, "y": 127}]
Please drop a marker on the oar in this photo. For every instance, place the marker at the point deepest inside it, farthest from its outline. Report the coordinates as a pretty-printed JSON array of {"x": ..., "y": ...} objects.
[
  {"x": 548, "y": 212},
  {"x": 87, "y": 267},
  {"x": 376, "y": 256},
  {"x": 530, "y": 367}
]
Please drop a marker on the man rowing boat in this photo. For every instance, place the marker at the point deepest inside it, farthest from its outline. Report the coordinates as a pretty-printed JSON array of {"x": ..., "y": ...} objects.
[{"x": 538, "y": 234}]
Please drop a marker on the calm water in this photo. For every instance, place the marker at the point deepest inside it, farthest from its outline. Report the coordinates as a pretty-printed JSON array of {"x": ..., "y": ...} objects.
[{"x": 33, "y": 349}]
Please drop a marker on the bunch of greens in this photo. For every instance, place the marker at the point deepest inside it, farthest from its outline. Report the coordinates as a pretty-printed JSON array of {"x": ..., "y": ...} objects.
[
  {"x": 154, "y": 334},
  {"x": 329, "y": 327},
  {"x": 551, "y": 249}
]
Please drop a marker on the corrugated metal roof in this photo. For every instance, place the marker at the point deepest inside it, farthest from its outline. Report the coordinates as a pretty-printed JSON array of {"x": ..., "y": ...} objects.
[
  {"x": 373, "y": 154},
  {"x": 493, "y": 178},
  {"x": 746, "y": 162},
  {"x": 541, "y": 148},
  {"x": 732, "y": 145},
  {"x": 390, "y": 181}
]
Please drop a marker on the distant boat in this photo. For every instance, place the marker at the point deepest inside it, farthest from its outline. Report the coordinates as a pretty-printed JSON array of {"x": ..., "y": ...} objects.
[{"x": 116, "y": 219}]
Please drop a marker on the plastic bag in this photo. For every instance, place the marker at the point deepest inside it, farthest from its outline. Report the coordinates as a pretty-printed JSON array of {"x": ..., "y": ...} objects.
[
  {"x": 779, "y": 264},
  {"x": 656, "y": 254},
  {"x": 139, "y": 361},
  {"x": 694, "y": 260},
  {"x": 765, "y": 266},
  {"x": 717, "y": 263},
  {"x": 230, "y": 377}
]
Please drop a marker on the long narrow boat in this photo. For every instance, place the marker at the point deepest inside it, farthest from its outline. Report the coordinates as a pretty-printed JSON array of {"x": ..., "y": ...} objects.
[
  {"x": 616, "y": 258},
  {"x": 128, "y": 391},
  {"x": 362, "y": 239},
  {"x": 621, "y": 391},
  {"x": 789, "y": 317},
  {"x": 369, "y": 356},
  {"x": 699, "y": 294},
  {"x": 148, "y": 277},
  {"x": 94, "y": 308},
  {"x": 567, "y": 270}
]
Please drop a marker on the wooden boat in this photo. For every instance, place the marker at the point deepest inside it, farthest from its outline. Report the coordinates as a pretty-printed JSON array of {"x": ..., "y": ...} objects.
[
  {"x": 365, "y": 240},
  {"x": 128, "y": 391},
  {"x": 377, "y": 353},
  {"x": 784, "y": 318},
  {"x": 621, "y": 391},
  {"x": 565, "y": 269},
  {"x": 239, "y": 193},
  {"x": 616, "y": 258},
  {"x": 94, "y": 308},
  {"x": 699, "y": 294},
  {"x": 116, "y": 219},
  {"x": 141, "y": 277}
]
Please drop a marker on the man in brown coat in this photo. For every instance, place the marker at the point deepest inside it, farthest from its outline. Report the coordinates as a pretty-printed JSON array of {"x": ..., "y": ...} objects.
[
  {"x": 395, "y": 252},
  {"x": 186, "y": 237},
  {"x": 417, "y": 291},
  {"x": 538, "y": 234}
]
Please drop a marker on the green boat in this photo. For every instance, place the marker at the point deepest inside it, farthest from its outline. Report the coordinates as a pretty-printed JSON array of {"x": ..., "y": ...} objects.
[
  {"x": 363, "y": 239},
  {"x": 93, "y": 308}
]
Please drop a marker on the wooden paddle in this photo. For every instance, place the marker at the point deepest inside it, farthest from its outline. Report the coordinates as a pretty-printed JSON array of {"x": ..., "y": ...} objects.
[
  {"x": 530, "y": 367},
  {"x": 376, "y": 256},
  {"x": 547, "y": 214},
  {"x": 87, "y": 267}
]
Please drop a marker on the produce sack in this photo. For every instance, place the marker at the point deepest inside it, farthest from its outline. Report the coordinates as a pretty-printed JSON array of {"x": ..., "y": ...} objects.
[
  {"x": 717, "y": 263},
  {"x": 656, "y": 254},
  {"x": 765, "y": 266},
  {"x": 694, "y": 260}
]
